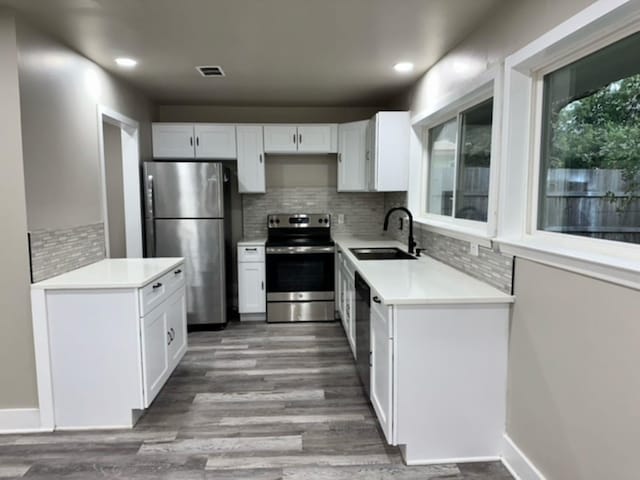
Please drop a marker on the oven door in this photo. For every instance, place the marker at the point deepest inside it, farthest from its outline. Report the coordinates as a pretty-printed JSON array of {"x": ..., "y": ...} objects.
[{"x": 300, "y": 283}]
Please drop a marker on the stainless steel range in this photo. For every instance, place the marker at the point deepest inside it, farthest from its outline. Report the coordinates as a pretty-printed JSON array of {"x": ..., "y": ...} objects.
[{"x": 300, "y": 268}]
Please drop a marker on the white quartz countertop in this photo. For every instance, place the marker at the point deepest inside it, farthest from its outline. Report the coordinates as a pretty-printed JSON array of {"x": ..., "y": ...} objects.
[
  {"x": 112, "y": 273},
  {"x": 417, "y": 282}
]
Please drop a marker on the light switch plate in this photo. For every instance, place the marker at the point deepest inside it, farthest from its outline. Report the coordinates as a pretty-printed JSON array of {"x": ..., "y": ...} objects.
[
  {"x": 340, "y": 218},
  {"x": 473, "y": 249}
]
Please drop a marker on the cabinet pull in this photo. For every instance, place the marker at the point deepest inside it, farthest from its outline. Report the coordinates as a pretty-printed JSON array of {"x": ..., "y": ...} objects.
[
  {"x": 262, "y": 285},
  {"x": 294, "y": 138},
  {"x": 169, "y": 336},
  {"x": 251, "y": 249},
  {"x": 157, "y": 285},
  {"x": 370, "y": 362},
  {"x": 340, "y": 158},
  {"x": 197, "y": 141},
  {"x": 300, "y": 138},
  {"x": 177, "y": 272},
  {"x": 191, "y": 141},
  {"x": 376, "y": 299},
  {"x": 173, "y": 334},
  {"x": 260, "y": 156}
]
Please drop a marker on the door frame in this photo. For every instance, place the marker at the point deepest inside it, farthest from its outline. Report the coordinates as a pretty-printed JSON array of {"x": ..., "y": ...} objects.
[{"x": 130, "y": 144}]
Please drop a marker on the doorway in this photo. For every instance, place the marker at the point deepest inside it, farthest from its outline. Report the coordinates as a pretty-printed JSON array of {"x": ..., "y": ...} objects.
[{"x": 118, "y": 138}]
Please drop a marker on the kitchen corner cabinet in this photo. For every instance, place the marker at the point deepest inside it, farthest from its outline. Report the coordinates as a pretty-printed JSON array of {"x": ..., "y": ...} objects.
[
  {"x": 104, "y": 350},
  {"x": 204, "y": 141},
  {"x": 251, "y": 281},
  {"x": 387, "y": 152},
  {"x": 352, "y": 153},
  {"x": 311, "y": 138},
  {"x": 251, "y": 168},
  {"x": 438, "y": 378}
]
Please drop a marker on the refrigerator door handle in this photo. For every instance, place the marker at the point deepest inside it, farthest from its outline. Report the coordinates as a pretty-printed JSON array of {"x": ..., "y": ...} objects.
[{"x": 151, "y": 224}]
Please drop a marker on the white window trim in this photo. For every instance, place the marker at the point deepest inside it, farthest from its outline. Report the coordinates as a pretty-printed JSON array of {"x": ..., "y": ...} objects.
[
  {"x": 601, "y": 24},
  {"x": 486, "y": 86}
]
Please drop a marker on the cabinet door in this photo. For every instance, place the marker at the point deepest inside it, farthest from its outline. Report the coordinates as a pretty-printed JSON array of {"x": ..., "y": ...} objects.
[
  {"x": 173, "y": 140},
  {"x": 177, "y": 327},
  {"x": 352, "y": 151},
  {"x": 250, "y": 159},
  {"x": 280, "y": 138},
  {"x": 251, "y": 293},
  {"x": 382, "y": 367},
  {"x": 390, "y": 151},
  {"x": 317, "y": 138},
  {"x": 155, "y": 342},
  {"x": 338, "y": 285},
  {"x": 215, "y": 141}
]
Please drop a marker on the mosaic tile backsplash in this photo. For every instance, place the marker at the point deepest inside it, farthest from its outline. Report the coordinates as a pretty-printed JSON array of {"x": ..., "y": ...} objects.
[
  {"x": 363, "y": 212},
  {"x": 492, "y": 267},
  {"x": 54, "y": 252}
]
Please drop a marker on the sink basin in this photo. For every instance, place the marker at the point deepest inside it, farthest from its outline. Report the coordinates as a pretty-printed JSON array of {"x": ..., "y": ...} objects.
[{"x": 386, "y": 253}]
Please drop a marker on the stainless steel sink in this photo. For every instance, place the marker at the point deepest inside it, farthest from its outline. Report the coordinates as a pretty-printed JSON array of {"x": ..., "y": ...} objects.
[{"x": 385, "y": 253}]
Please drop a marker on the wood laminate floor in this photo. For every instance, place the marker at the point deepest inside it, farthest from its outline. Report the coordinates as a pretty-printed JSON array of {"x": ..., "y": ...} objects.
[{"x": 255, "y": 401}]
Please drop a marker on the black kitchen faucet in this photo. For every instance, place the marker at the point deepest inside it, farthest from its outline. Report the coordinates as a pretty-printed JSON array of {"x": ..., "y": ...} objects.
[{"x": 412, "y": 243}]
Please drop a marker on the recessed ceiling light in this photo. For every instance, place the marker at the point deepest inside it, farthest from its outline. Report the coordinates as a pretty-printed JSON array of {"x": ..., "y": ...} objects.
[
  {"x": 403, "y": 67},
  {"x": 126, "y": 62}
]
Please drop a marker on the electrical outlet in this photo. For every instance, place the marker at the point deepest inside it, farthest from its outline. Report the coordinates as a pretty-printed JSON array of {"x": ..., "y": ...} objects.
[
  {"x": 474, "y": 249},
  {"x": 340, "y": 218}
]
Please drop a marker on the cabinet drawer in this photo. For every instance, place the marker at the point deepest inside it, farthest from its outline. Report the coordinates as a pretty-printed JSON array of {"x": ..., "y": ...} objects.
[
  {"x": 250, "y": 253},
  {"x": 156, "y": 292}
]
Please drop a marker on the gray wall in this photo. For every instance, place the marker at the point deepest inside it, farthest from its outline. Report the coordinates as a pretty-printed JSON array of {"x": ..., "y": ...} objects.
[
  {"x": 573, "y": 391},
  {"x": 52, "y": 133},
  {"x": 60, "y": 91},
  {"x": 574, "y": 387},
  {"x": 16, "y": 344}
]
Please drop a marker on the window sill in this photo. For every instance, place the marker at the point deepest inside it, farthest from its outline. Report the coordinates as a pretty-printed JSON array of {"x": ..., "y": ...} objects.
[
  {"x": 461, "y": 232},
  {"x": 618, "y": 267}
]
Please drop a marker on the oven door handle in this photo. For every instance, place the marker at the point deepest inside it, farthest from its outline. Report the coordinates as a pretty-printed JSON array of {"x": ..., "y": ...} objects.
[{"x": 300, "y": 250}]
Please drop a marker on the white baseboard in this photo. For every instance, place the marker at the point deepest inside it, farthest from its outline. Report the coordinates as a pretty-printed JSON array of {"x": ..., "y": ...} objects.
[
  {"x": 520, "y": 467},
  {"x": 20, "y": 420}
]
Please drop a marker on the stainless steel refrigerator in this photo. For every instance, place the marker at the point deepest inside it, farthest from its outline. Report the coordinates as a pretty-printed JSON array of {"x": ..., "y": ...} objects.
[{"x": 185, "y": 217}]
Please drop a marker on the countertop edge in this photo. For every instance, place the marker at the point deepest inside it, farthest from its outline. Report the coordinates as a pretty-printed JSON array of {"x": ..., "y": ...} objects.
[{"x": 107, "y": 286}]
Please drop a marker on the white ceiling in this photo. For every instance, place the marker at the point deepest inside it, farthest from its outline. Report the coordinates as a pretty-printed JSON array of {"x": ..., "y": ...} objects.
[{"x": 274, "y": 52}]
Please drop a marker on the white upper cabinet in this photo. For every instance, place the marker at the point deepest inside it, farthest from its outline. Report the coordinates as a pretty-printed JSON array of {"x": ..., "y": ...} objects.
[
  {"x": 352, "y": 149},
  {"x": 251, "y": 171},
  {"x": 280, "y": 138},
  {"x": 388, "y": 151},
  {"x": 310, "y": 138},
  {"x": 173, "y": 140},
  {"x": 215, "y": 141}
]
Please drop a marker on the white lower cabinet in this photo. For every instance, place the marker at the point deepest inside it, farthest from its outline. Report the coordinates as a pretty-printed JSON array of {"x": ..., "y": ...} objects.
[
  {"x": 110, "y": 350},
  {"x": 346, "y": 298},
  {"x": 381, "y": 365},
  {"x": 438, "y": 379},
  {"x": 252, "y": 303}
]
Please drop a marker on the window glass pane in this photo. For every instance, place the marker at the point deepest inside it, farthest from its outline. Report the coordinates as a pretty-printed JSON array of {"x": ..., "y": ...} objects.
[
  {"x": 472, "y": 194},
  {"x": 442, "y": 160},
  {"x": 590, "y": 165}
]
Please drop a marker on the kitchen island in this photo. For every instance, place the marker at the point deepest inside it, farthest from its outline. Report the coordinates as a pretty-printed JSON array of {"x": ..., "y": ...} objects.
[
  {"x": 107, "y": 337},
  {"x": 437, "y": 352}
]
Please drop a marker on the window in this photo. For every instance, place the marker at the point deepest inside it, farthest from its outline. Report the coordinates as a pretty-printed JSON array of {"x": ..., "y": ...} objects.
[
  {"x": 459, "y": 161},
  {"x": 590, "y": 157}
]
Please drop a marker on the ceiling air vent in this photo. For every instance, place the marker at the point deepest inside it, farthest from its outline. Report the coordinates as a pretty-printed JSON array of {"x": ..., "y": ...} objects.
[{"x": 211, "y": 71}]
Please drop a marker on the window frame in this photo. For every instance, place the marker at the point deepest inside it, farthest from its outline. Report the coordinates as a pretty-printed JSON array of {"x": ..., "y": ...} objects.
[
  {"x": 488, "y": 87},
  {"x": 600, "y": 25}
]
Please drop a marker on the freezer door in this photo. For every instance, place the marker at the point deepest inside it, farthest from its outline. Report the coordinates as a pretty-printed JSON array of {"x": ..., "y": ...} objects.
[
  {"x": 201, "y": 243},
  {"x": 184, "y": 189}
]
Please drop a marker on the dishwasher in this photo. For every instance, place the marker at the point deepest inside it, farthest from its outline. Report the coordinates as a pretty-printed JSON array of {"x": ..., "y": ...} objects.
[{"x": 363, "y": 348}]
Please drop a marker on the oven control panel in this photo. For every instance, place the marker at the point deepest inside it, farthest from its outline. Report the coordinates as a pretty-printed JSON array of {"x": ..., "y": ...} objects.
[{"x": 299, "y": 220}]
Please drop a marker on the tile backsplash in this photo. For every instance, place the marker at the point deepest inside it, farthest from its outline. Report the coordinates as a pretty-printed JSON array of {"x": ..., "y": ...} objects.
[
  {"x": 363, "y": 212},
  {"x": 58, "y": 251},
  {"x": 489, "y": 266}
]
